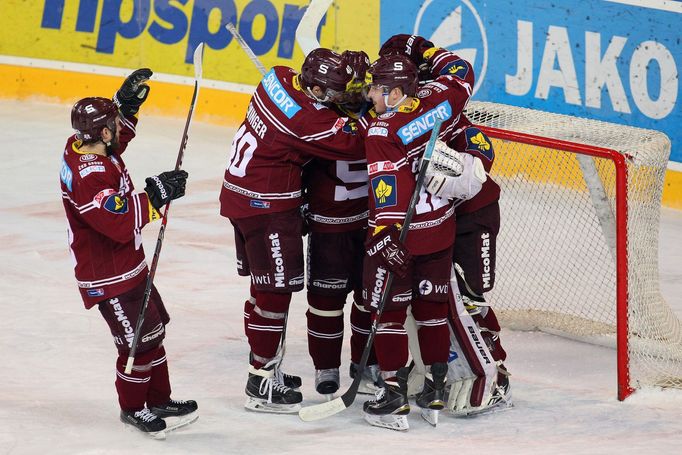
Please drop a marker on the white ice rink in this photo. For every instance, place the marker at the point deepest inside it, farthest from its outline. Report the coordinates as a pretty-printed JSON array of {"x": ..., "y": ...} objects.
[{"x": 57, "y": 360}]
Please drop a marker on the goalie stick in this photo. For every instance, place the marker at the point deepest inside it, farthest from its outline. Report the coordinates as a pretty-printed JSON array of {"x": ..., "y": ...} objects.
[
  {"x": 198, "y": 57},
  {"x": 329, "y": 408}
]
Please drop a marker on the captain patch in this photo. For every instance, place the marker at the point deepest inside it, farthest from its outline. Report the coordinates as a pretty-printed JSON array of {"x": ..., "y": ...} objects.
[
  {"x": 384, "y": 190},
  {"x": 116, "y": 204}
]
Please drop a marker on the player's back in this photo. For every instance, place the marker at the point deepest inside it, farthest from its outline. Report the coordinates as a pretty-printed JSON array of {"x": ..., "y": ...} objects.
[{"x": 282, "y": 130}]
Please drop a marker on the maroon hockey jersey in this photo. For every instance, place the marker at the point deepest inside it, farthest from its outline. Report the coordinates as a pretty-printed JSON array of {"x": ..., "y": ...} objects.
[
  {"x": 283, "y": 129},
  {"x": 394, "y": 146},
  {"x": 105, "y": 218}
]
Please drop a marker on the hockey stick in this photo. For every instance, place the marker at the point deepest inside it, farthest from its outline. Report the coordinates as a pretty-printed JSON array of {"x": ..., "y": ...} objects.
[
  {"x": 329, "y": 408},
  {"x": 246, "y": 48},
  {"x": 306, "y": 32},
  {"x": 198, "y": 57}
]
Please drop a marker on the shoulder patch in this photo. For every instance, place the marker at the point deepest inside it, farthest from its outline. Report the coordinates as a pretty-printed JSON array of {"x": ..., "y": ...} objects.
[
  {"x": 116, "y": 204},
  {"x": 423, "y": 93},
  {"x": 458, "y": 68},
  {"x": 479, "y": 143},
  {"x": 384, "y": 190},
  {"x": 386, "y": 115},
  {"x": 88, "y": 157},
  {"x": 90, "y": 169},
  {"x": 424, "y": 123}
]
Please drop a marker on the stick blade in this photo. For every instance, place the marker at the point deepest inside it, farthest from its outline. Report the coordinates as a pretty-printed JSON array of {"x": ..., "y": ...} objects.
[
  {"x": 198, "y": 59},
  {"x": 322, "y": 410}
]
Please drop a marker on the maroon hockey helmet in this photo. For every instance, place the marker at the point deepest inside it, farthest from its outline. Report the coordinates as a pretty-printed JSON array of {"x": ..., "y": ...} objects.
[
  {"x": 394, "y": 71},
  {"x": 90, "y": 115},
  {"x": 326, "y": 69}
]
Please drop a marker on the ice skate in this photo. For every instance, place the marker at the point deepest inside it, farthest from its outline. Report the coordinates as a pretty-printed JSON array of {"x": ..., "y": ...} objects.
[
  {"x": 431, "y": 398},
  {"x": 370, "y": 378},
  {"x": 179, "y": 413},
  {"x": 266, "y": 393},
  {"x": 390, "y": 408},
  {"x": 327, "y": 382},
  {"x": 145, "y": 421}
]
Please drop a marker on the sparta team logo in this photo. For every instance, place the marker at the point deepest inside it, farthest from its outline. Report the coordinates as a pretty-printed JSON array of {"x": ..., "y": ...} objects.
[
  {"x": 88, "y": 157},
  {"x": 423, "y": 93},
  {"x": 116, "y": 204}
]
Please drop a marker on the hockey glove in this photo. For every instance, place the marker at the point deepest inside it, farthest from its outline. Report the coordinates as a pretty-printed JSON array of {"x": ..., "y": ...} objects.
[
  {"x": 133, "y": 92},
  {"x": 411, "y": 46},
  {"x": 390, "y": 252},
  {"x": 165, "y": 187}
]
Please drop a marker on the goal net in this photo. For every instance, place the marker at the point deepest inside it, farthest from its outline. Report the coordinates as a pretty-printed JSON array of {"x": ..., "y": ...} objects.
[{"x": 577, "y": 252}]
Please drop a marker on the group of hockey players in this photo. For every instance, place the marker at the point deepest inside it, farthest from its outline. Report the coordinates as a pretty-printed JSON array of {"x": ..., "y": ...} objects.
[{"x": 332, "y": 153}]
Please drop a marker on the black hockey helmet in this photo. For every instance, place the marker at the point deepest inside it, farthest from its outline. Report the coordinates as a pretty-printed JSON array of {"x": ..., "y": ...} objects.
[
  {"x": 90, "y": 115},
  {"x": 394, "y": 71}
]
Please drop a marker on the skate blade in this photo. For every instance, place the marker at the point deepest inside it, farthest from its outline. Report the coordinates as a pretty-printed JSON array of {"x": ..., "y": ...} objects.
[
  {"x": 391, "y": 421},
  {"x": 431, "y": 416},
  {"x": 158, "y": 435},
  {"x": 472, "y": 412},
  {"x": 260, "y": 405},
  {"x": 175, "y": 423}
]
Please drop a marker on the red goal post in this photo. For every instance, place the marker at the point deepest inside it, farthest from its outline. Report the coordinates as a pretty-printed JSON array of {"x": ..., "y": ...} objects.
[{"x": 578, "y": 245}]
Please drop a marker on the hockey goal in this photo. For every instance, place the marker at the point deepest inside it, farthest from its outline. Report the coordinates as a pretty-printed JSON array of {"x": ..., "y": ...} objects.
[{"x": 577, "y": 253}]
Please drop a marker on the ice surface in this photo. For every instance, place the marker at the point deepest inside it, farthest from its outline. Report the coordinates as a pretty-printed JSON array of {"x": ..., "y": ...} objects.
[{"x": 56, "y": 388}]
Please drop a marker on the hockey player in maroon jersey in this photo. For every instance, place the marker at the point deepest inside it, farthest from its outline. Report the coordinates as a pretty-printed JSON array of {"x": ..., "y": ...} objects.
[
  {"x": 395, "y": 142},
  {"x": 478, "y": 223},
  {"x": 336, "y": 198},
  {"x": 286, "y": 125},
  {"x": 106, "y": 216}
]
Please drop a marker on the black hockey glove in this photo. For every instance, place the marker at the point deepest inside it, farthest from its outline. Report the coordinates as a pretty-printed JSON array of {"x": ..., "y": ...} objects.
[
  {"x": 133, "y": 92},
  {"x": 165, "y": 187},
  {"x": 411, "y": 46},
  {"x": 386, "y": 247}
]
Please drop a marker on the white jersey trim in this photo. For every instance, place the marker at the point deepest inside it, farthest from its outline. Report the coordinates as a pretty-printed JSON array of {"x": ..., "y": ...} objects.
[
  {"x": 255, "y": 195},
  {"x": 114, "y": 279}
]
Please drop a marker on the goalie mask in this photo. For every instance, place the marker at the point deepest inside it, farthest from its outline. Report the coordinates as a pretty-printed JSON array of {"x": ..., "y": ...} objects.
[
  {"x": 90, "y": 116},
  {"x": 326, "y": 69}
]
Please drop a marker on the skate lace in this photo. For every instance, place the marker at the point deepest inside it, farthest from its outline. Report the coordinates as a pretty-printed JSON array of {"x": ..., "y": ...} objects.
[
  {"x": 379, "y": 394},
  {"x": 146, "y": 415},
  {"x": 270, "y": 384}
]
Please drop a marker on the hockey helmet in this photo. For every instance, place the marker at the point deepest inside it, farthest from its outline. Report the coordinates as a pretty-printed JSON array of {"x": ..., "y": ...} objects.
[
  {"x": 90, "y": 115},
  {"x": 326, "y": 69},
  {"x": 394, "y": 71}
]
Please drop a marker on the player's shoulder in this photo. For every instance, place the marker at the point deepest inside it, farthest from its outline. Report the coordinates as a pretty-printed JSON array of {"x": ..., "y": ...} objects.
[
  {"x": 282, "y": 86},
  {"x": 82, "y": 166},
  {"x": 381, "y": 127}
]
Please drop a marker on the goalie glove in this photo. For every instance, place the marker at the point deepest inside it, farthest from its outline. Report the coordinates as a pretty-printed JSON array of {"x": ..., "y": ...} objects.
[{"x": 442, "y": 181}]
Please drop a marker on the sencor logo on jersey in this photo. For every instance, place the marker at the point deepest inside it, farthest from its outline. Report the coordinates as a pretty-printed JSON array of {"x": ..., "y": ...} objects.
[
  {"x": 66, "y": 175},
  {"x": 116, "y": 204},
  {"x": 479, "y": 143},
  {"x": 384, "y": 189},
  {"x": 279, "y": 96},
  {"x": 424, "y": 123}
]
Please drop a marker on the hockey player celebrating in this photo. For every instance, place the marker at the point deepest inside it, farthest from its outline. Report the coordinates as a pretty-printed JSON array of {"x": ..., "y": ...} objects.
[
  {"x": 395, "y": 142},
  {"x": 287, "y": 124},
  {"x": 336, "y": 197},
  {"x": 476, "y": 387},
  {"x": 105, "y": 217}
]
